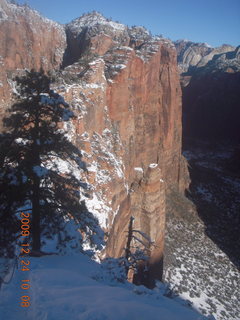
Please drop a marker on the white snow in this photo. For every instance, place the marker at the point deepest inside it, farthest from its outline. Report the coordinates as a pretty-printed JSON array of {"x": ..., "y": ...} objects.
[
  {"x": 119, "y": 66},
  {"x": 21, "y": 141},
  {"x": 3, "y": 15},
  {"x": 13, "y": 86},
  {"x": 153, "y": 165},
  {"x": 207, "y": 45},
  {"x": 62, "y": 166},
  {"x": 149, "y": 49},
  {"x": 64, "y": 287},
  {"x": 105, "y": 146},
  {"x": 96, "y": 62},
  {"x": 125, "y": 48},
  {"x": 99, "y": 209},
  {"x": 85, "y": 136},
  {"x": 139, "y": 169},
  {"x": 201, "y": 273},
  {"x": 94, "y": 86},
  {"x": 94, "y": 19}
]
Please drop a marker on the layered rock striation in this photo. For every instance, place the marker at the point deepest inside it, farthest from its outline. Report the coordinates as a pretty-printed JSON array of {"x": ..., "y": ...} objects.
[
  {"x": 124, "y": 89},
  {"x": 210, "y": 79},
  {"x": 192, "y": 54}
]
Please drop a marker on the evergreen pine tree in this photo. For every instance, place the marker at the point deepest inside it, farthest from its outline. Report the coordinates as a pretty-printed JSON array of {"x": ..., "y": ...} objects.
[{"x": 33, "y": 146}]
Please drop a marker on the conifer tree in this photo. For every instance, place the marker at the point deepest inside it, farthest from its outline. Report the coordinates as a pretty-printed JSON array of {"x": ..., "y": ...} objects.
[{"x": 36, "y": 145}]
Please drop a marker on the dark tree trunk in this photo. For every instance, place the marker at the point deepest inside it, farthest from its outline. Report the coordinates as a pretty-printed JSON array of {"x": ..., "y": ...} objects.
[
  {"x": 129, "y": 239},
  {"x": 36, "y": 231}
]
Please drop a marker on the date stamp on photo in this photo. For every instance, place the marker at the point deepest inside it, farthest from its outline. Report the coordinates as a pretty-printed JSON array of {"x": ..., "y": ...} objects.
[{"x": 24, "y": 261}]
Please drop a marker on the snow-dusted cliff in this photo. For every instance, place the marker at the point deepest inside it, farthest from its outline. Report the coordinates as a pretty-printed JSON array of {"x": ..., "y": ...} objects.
[{"x": 123, "y": 87}]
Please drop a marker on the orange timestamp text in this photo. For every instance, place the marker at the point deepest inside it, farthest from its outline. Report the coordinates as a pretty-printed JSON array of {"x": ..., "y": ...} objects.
[{"x": 24, "y": 262}]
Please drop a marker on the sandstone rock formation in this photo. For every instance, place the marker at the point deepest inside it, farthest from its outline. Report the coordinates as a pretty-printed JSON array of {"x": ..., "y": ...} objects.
[
  {"x": 27, "y": 41},
  {"x": 95, "y": 33},
  {"x": 211, "y": 135},
  {"x": 191, "y": 54},
  {"x": 211, "y": 85},
  {"x": 123, "y": 86}
]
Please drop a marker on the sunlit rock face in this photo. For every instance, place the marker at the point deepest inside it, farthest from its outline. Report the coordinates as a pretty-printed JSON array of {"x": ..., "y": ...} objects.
[
  {"x": 27, "y": 41},
  {"x": 124, "y": 89},
  {"x": 129, "y": 124},
  {"x": 93, "y": 33},
  {"x": 192, "y": 54}
]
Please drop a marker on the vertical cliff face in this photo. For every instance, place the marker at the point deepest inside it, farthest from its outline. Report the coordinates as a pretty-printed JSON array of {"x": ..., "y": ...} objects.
[
  {"x": 127, "y": 100},
  {"x": 27, "y": 41}
]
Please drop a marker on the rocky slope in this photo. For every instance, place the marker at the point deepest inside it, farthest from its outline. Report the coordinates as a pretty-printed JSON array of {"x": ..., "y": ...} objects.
[
  {"x": 123, "y": 86},
  {"x": 202, "y": 250},
  {"x": 202, "y": 235}
]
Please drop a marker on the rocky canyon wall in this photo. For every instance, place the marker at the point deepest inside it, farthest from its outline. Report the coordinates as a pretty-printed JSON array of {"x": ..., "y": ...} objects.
[
  {"x": 27, "y": 41},
  {"x": 210, "y": 80},
  {"x": 124, "y": 89}
]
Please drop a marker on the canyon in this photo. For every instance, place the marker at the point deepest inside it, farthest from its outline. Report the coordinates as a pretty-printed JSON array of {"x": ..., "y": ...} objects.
[
  {"x": 126, "y": 89},
  {"x": 201, "y": 250},
  {"x": 123, "y": 86},
  {"x": 210, "y": 83}
]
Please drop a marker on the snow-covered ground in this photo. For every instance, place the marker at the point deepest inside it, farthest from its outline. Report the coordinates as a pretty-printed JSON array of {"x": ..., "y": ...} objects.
[
  {"x": 200, "y": 272},
  {"x": 202, "y": 255},
  {"x": 76, "y": 288}
]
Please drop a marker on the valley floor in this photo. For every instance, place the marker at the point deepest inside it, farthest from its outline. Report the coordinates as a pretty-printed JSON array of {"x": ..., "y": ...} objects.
[{"x": 202, "y": 248}]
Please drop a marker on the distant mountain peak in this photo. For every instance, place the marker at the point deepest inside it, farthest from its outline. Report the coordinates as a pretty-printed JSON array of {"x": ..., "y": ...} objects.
[{"x": 92, "y": 19}]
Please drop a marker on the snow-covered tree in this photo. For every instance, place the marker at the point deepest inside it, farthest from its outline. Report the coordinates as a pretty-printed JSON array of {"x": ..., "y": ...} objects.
[{"x": 34, "y": 147}]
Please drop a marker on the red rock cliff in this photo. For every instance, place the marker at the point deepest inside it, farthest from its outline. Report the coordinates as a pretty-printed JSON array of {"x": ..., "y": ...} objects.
[
  {"x": 128, "y": 103},
  {"x": 127, "y": 100},
  {"x": 27, "y": 41}
]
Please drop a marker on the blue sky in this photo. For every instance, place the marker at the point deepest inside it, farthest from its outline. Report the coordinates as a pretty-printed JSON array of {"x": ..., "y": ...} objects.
[{"x": 212, "y": 21}]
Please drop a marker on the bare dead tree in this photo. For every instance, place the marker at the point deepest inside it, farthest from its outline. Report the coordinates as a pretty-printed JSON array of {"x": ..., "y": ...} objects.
[{"x": 139, "y": 254}]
